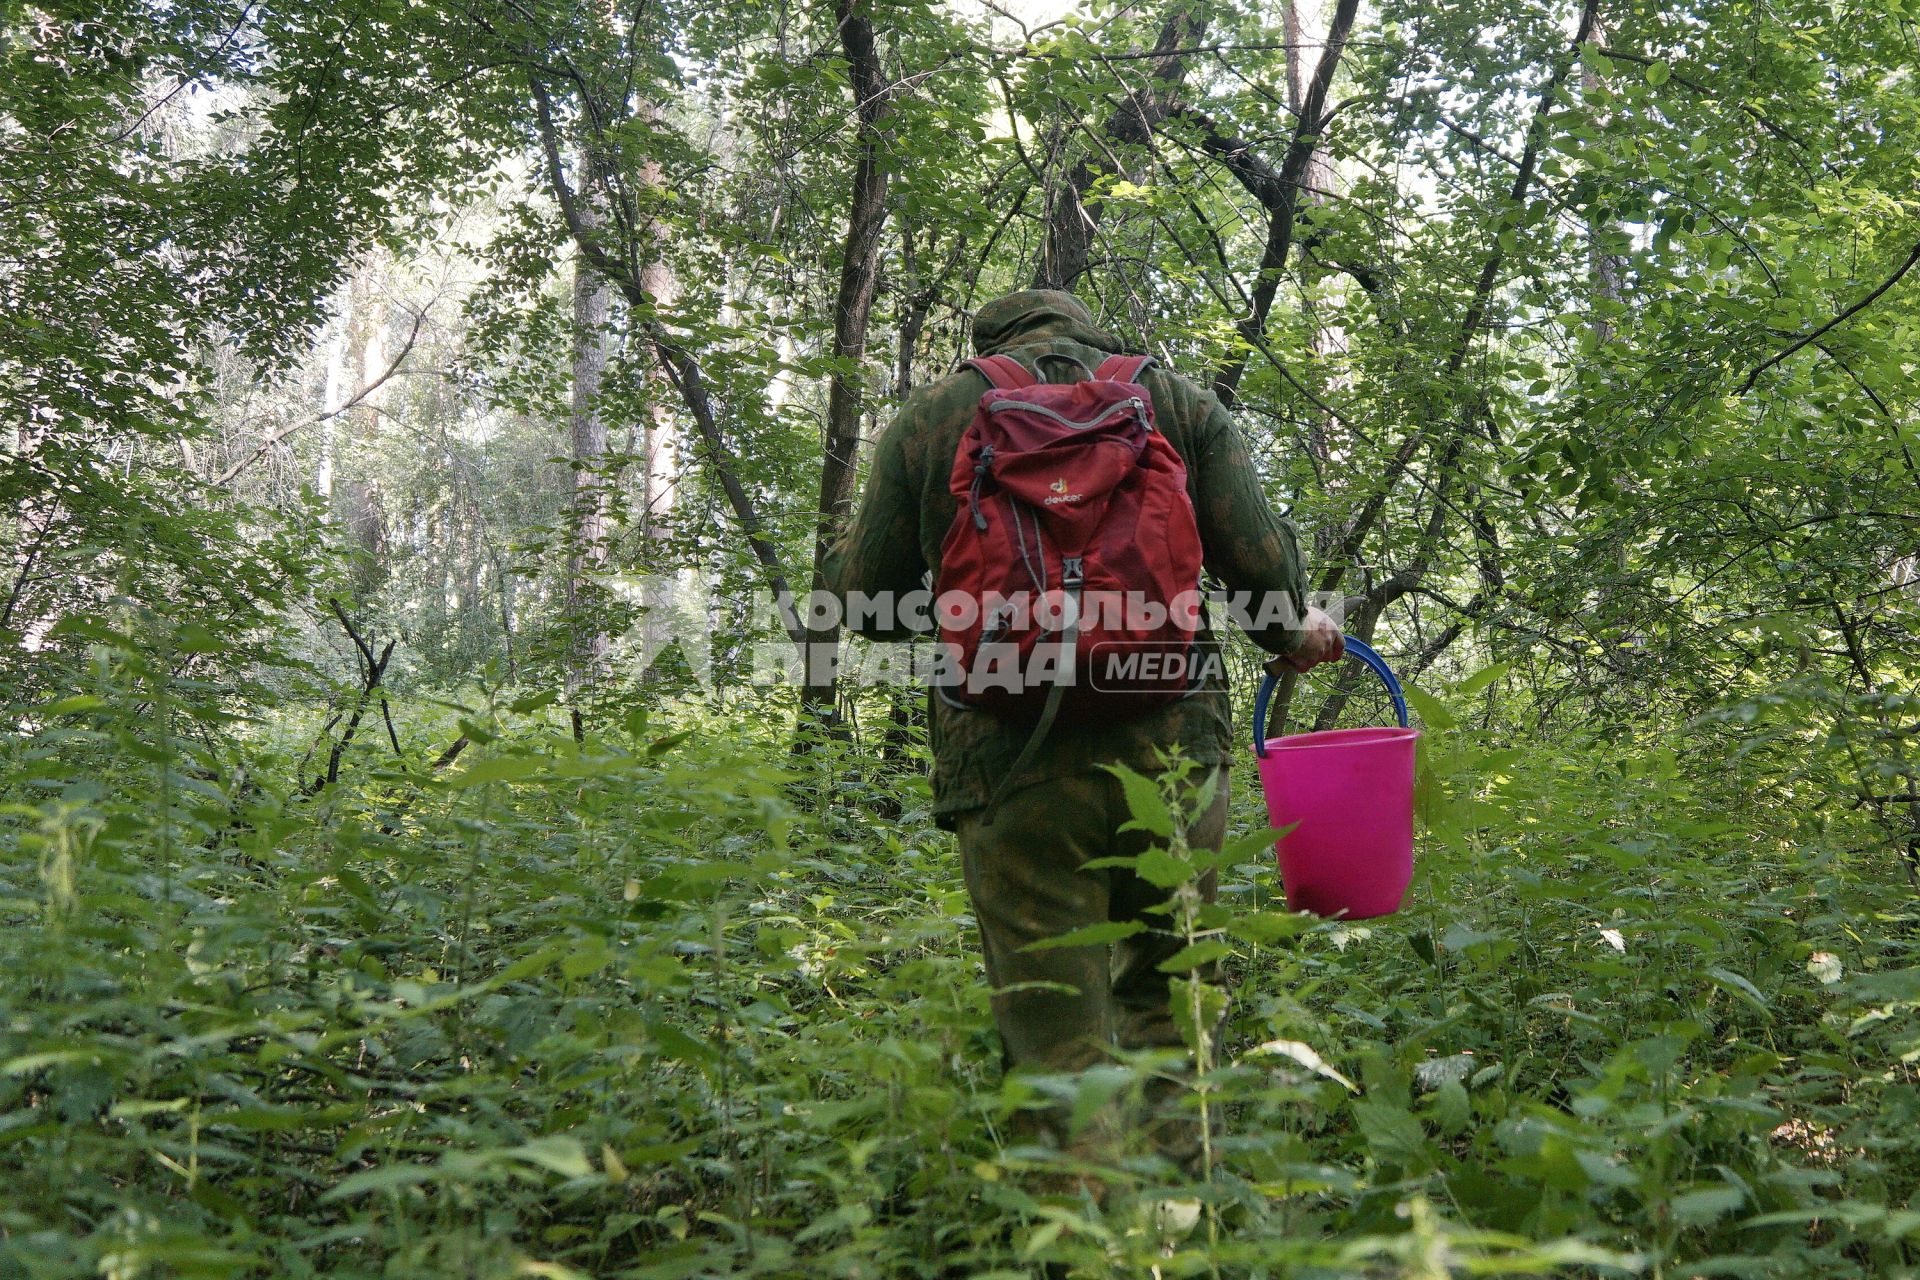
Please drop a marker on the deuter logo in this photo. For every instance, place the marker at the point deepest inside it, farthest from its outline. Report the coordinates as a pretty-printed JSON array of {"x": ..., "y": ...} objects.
[
  {"x": 1123, "y": 667},
  {"x": 1060, "y": 493}
]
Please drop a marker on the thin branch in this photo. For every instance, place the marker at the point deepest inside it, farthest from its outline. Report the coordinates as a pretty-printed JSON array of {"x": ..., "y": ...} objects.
[
  {"x": 358, "y": 397},
  {"x": 1852, "y": 311},
  {"x": 373, "y": 669},
  {"x": 1293, "y": 168}
]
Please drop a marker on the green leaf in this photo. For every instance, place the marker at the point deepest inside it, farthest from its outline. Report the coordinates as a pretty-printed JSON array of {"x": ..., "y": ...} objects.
[
  {"x": 533, "y": 702},
  {"x": 660, "y": 746},
  {"x": 585, "y": 961},
  {"x": 1727, "y": 980},
  {"x": 500, "y": 769},
  {"x": 70, "y": 706},
  {"x": 1161, "y": 869},
  {"x": 556, "y": 1151},
  {"x": 848, "y": 1217},
  {"x": 1195, "y": 955},
  {"x": 1432, "y": 712},
  {"x": 135, "y": 1108},
  {"x": 194, "y": 638},
  {"x": 1267, "y": 927},
  {"x": 1422, "y": 945},
  {"x": 1092, "y": 935},
  {"x": 1452, "y": 1109},
  {"x": 1255, "y": 844},
  {"x": 528, "y": 965},
  {"x": 1604, "y": 1170},
  {"x": 1144, "y": 802},
  {"x": 1481, "y": 679},
  {"x": 1658, "y": 73},
  {"x": 676, "y": 1043},
  {"x": 1461, "y": 937},
  {"x": 1696, "y": 1208},
  {"x": 1393, "y": 1133},
  {"x": 391, "y": 1177},
  {"x": 544, "y": 1270},
  {"x": 1094, "y": 1091}
]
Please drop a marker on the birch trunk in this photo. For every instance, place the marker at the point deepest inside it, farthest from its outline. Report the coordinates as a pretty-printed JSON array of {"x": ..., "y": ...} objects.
[
  {"x": 361, "y": 497},
  {"x": 587, "y": 434}
]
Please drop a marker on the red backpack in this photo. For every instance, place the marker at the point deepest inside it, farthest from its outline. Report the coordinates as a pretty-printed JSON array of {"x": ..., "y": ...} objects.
[{"x": 1070, "y": 578}]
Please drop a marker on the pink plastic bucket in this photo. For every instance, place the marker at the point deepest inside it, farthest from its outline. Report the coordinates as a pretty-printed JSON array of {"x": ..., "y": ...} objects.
[{"x": 1348, "y": 795}]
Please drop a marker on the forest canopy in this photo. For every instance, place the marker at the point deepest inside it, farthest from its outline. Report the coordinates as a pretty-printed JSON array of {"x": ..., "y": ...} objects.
[{"x": 424, "y": 424}]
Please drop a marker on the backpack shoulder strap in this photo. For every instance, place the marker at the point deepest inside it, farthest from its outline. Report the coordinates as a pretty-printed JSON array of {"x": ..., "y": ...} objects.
[
  {"x": 1123, "y": 368},
  {"x": 1004, "y": 372}
]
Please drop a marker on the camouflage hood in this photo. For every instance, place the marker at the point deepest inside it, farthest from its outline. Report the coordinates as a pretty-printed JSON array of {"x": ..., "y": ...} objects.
[{"x": 1036, "y": 315}]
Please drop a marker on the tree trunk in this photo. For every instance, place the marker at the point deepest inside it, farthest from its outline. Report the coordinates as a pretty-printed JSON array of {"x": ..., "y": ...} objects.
[
  {"x": 859, "y": 270},
  {"x": 1603, "y": 266},
  {"x": 35, "y": 526},
  {"x": 1288, "y": 187},
  {"x": 660, "y": 488},
  {"x": 334, "y": 392},
  {"x": 1074, "y": 218},
  {"x": 587, "y": 433},
  {"x": 660, "y": 449},
  {"x": 906, "y": 708},
  {"x": 1306, "y": 37},
  {"x": 361, "y": 499}
]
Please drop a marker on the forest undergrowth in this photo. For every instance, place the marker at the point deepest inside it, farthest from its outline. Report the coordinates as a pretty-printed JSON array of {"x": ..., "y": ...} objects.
[{"x": 672, "y": 1001}]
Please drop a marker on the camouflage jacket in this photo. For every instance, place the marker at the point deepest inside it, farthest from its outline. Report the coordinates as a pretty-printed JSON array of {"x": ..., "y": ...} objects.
[{"x": 894, "y": 543}]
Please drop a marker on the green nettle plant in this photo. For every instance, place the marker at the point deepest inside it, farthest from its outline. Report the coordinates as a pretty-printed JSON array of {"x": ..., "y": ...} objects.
[{"x": 615, "y": 1006}]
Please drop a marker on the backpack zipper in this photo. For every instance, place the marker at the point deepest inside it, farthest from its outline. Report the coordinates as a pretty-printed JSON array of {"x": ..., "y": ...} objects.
[
  {"x": 1039, "y": 543},
  {"x": 979, "y": 476},
  {"x": 1133, "y": 403}
]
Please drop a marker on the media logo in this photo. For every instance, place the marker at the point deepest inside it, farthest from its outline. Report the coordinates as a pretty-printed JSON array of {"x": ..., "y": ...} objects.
[{"x": 1127, "y": 666}]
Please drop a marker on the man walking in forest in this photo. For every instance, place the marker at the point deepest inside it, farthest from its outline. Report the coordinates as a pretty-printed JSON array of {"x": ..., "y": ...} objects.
[{"x": 1031, "y": 804}]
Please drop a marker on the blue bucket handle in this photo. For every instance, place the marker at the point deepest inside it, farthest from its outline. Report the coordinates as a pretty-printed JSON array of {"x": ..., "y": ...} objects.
[{"x": 1355, "y": 649}]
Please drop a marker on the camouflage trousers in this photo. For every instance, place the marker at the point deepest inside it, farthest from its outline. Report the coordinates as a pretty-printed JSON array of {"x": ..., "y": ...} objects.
[{"x": 1064, "y": 1009}]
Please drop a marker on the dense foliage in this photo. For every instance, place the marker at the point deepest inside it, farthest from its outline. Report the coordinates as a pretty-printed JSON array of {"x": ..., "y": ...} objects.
[{"x": 378, "y": 377}]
